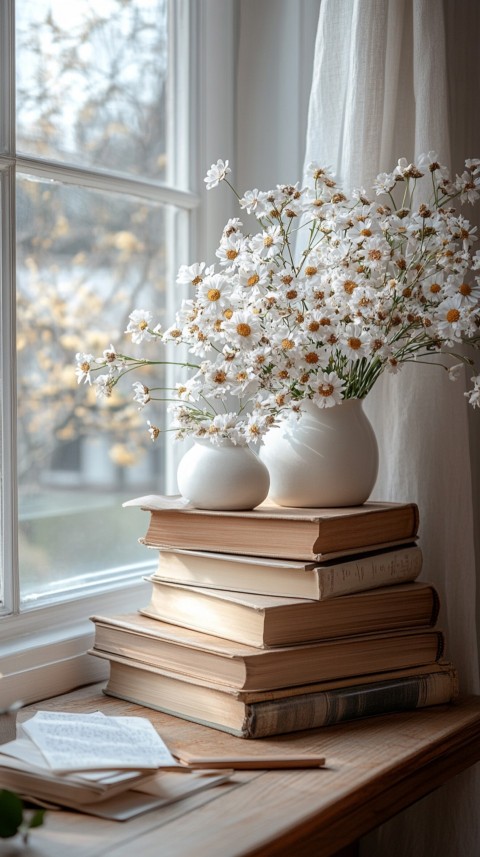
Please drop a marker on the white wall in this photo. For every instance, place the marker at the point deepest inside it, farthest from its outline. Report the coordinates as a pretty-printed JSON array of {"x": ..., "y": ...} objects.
[{"x": 274, "y": 72}]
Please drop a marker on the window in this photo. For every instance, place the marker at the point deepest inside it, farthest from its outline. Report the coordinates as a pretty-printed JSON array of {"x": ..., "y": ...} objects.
[{"x": 97, "y": 168}]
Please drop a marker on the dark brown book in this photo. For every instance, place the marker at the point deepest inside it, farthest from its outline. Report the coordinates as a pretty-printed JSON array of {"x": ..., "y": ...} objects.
[
  {"x": 265, "y": 620},
  {"x": 277, "y": 531},
  {"x": 205, "y": 657},
  {"x": 229, "y": 711}
]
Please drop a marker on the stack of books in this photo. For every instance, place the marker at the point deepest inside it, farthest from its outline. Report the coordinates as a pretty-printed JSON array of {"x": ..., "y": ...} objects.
[{"x": 276, "y": 620}]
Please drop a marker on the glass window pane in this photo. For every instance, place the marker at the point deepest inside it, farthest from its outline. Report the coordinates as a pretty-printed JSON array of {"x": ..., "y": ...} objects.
[
  {"x": 85, "y": 260},
  {"x": 92, "y": 83}
]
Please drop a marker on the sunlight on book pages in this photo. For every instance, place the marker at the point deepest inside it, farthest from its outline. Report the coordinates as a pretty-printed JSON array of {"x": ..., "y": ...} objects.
[{"x": 83, "y": 742}]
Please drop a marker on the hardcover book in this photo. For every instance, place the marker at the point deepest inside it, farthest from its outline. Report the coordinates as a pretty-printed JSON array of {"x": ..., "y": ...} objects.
[
  {"x": 210, "y": 658},
  {"x": 277, "y": 531},
  {"x": 290, "y": 578},
  {"x": 266, "y": 620},
  {"x": 214, "y": 706}
]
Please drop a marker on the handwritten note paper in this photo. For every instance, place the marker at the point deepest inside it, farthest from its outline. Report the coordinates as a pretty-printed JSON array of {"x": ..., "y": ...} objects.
[{"x": 76, "y": 742}]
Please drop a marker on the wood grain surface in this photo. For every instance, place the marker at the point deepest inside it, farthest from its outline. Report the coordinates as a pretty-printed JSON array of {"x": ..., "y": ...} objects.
[{"x": 374, "y": 768}]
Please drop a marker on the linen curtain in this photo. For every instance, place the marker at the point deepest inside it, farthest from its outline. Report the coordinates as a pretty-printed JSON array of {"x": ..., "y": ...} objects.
[{"x": 392, "y": 79}]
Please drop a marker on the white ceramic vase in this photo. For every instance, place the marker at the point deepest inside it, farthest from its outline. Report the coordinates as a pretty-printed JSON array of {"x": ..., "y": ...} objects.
[
  {"x": 329, "y": 457},
  {"x": 222, "y": 477}
]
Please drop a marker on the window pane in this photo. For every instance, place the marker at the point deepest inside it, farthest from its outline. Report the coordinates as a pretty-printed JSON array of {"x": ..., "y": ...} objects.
[
  {"x": 92, "y": 83},
  {"x": 2, "y": 542},
  {"x": 85, "y": 260}
]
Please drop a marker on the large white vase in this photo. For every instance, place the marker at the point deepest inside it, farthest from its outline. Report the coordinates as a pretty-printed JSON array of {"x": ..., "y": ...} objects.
[
  {"x": 329, "y": 457},
  {"x": 222, "y": 477}
]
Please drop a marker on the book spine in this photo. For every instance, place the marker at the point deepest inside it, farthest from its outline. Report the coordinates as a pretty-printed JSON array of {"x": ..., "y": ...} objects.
[
  {"x": 327, "y": 708},
  {"x": 369, "y": 572}
]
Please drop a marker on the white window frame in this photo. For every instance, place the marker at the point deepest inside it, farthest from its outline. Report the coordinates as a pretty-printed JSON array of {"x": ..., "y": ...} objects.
[{"x": 43, "y": 650}]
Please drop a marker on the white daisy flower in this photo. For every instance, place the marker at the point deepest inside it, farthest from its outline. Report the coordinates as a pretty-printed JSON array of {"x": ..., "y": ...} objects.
[
  {"x": 474, "y": 395},
  {"x": 85, "y": 364},
  {"x": 217, "y": 173},
  {"x": 141, "y": 394},
  {"x": 328, "y": 390},
  {"x": 139, "y": 324},
  {"x": 193, "y": 275},
  {"x": 450, "y": 319},
  {"x": 254, "y": 201},
  {"x": 103, "y": 386},
  {"x": 268, "y": 243},
  {"x": 354, "y": 341},
  {"x": 384, "y": 183},
  {"x": 242, "y": 329}
]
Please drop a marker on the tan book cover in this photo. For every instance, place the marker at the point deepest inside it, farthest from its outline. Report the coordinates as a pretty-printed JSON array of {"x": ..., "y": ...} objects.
[
  {"x": 277, "y": 531},
  {"x": 235, "y": 665},
  {"x": 205, "y": 703},
  {"x": 290, "y": 578},
  {"x": 267, "y": 620}
]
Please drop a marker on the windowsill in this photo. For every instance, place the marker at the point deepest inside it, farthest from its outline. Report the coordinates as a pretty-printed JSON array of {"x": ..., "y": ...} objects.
[{"x": 43, "y": 651}]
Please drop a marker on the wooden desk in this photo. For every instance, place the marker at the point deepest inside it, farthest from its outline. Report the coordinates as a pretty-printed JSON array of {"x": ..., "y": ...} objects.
[{"x": 376, "y": 767}]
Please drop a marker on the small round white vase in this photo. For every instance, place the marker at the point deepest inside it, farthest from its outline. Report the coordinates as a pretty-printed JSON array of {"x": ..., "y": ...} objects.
[
  {"x": 222, "y": 477},
  {"x": 329, "y": 457}
]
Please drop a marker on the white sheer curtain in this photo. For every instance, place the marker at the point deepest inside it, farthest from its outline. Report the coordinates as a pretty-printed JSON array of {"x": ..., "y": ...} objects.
[{"x": 390, "y": 80}]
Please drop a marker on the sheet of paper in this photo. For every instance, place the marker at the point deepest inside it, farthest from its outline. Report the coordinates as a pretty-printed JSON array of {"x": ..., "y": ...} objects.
[
  {"x": 23, "y": 755},
  {"x": 76, "y": 742}
]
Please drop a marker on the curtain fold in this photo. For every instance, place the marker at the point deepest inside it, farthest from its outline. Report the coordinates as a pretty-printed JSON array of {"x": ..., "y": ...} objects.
[{"x": 383, "y": 87}]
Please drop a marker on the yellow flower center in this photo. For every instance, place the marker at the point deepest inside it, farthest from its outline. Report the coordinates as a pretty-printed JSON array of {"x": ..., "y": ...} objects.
[
  {"x": 453, "y": 315},
  {"x": 435, "y": 288},
  {"x": 354, "y": 343},
  {"x": 231, "y": 254},
  {"x": 267, "y": 241},
  {"x": 366, "y": 232},
  {"x": 213, "y": 294},
  {"x": 465, "y": 289},
  {"x": 228, "y": 313},
  {"x": 143, "y": 325},
  {"x": 326, "y": 390},
  {"x": 310, "y": 271},
  {"x": 349, "y": 286},
  {"x": 311, "y": 357},
  {"x": 197, "y": 281},
  {"x": 287, "y": 344},
  {"x": 85, "y": 366},
  {"x": 314, "y": 326},
  {"x": 374, "y": 255},
  {"x": 253, "y": 280},
  {"x": 244, "y": 329},
  {"x": 219, "y": 377}
]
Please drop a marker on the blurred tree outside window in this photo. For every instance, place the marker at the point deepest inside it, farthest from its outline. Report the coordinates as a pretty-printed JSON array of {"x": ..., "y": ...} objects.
[{"x": 94, "y": 108}]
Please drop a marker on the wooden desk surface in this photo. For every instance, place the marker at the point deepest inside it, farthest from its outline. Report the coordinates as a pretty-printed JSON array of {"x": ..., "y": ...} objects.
[{"x": 375, "y": 768}]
